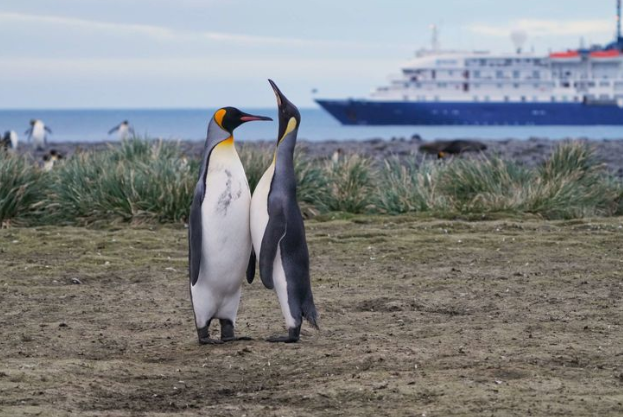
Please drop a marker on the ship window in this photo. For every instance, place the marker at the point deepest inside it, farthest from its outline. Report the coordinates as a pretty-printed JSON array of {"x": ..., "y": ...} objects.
[
  {"x": 536, "y": 74},
  {"x": 591, "y": 84},
  {"x": 476, "y": 74},
  {"x": 499, "y": 74},
  {"x": 507, "y": 98},
  {"x": 604, "y": 97},
  {"x": 523, "y": 98},
  {"x": 516, "y": 85},
  {"x": 604, "y": 84},
  {"x": 442, "y": 85},
  {"x": 487, "y": 98},
  {"x": 436, "y": 98},
  {"x": 475, "y": 98},
  {"x": 553, "y": 99},
  {"x": 516, "y": 74},
  {"x": 576, "y": 98},
  {"x": 564, "y": 98}
]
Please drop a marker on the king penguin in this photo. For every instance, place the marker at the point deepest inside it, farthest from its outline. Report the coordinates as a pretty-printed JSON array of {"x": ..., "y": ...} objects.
[
  {"x": 37, "y": 132},
  {"x": 10, "y": 140},
  {"x": 218, "y": 236},
  {"x": 278, "y": 231},
  {"x": 123, "y": 130}
]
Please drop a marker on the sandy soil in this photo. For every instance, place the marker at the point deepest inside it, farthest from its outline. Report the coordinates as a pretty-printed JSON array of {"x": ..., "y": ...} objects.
[{"x": 418, "y": 318}]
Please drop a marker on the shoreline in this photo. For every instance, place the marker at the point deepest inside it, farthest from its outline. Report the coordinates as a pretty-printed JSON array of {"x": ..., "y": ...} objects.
[{"x": 531, "y": 152}]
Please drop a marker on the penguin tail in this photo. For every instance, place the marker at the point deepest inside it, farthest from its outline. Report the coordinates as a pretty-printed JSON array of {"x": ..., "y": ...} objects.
[{"x": 309, "y": 313}]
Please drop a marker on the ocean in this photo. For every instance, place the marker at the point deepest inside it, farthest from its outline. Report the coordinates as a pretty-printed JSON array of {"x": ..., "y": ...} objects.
[{"x": 316, "y": 125}]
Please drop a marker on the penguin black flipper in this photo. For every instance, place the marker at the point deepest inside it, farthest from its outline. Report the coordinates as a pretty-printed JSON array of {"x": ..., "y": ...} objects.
[
  {"x": 195, "y": 233},
  {"x": 28, "y": 132},
  {"x": 47, "y": 129},
  {"x": 251, "y": 267},
  {"x": 113, "y": 130},
  {"x": 275, "y": 231}
]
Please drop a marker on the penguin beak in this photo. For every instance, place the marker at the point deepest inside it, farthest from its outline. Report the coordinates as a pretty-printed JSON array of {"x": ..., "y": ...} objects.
[
  {"x": 287, "y": 110},
  {"x": 245, "y": 117},
  {"x": 280, "y": 97}
]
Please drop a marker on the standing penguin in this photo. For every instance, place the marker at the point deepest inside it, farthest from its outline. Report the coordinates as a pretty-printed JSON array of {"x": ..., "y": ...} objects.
[
  {"x": 123, "y": 129},
  {"x": 278, "y": 231},
  {"x": 37, "y": 132},
  {"x": 9, "y": 141},
  {"x": 218, "y": 236}
]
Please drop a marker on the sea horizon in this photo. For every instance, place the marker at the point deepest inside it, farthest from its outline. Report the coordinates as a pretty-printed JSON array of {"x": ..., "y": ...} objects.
[{"x": 92, "y": 125}]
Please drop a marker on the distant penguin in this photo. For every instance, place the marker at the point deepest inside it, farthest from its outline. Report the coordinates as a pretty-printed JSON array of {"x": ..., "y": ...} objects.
[
  {"x": 9, "y": 141},
  {"x": 123, "y": 130},
  {"x": 219, "y": 237},
  {"x": 50, "y": 159},
  {"x": 48, "y": 163},
  {"x": 337, "y": 156},
  {"x": 278, "y": 231},
  {"x": 38, "y": 133}
]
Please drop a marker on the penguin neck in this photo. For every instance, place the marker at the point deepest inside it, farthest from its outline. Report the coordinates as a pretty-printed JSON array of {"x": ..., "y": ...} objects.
[
  {"x": 216, "y": 135},
  {"x": 284, "y": 154}
]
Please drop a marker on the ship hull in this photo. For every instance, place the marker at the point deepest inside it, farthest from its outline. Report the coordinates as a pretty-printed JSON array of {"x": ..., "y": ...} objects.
[{"x": 376, "y": 113}]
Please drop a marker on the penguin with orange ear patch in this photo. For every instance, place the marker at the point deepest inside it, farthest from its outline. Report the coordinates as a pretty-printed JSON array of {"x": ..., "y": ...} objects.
[
  {"x": 278, "y": 231},
  {"x": 218, "y": 231}
]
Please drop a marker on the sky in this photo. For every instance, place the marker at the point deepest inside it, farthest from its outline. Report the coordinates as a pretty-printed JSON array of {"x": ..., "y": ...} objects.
[{"x": 211, "y": 53}]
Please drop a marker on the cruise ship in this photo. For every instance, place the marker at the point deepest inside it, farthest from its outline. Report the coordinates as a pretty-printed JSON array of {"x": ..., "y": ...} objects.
[{"x": 581, "y": 86}]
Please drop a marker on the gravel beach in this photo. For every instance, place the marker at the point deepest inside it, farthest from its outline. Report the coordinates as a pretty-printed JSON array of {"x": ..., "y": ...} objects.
[{"x": 531, "y": 152}]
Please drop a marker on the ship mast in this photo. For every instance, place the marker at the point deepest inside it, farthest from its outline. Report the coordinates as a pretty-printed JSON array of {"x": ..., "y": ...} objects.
[{"x": 619, "y": 21}]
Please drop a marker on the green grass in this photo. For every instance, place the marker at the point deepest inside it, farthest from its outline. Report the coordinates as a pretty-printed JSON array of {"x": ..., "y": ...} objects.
[
  {"x": 150, "y": 181},
  {"x": 23, "y": 187}
]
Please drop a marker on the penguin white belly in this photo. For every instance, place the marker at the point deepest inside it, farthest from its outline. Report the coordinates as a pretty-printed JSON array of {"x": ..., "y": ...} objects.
[
  {"x": 259, "y": 208},
  {"x": 226, "y": 245},
  {"x": 14, "y": 139},
  {"x": 123, "y": 132},
  {"x": 38, "y": 134},
  {"x": 281, "y": 288}
]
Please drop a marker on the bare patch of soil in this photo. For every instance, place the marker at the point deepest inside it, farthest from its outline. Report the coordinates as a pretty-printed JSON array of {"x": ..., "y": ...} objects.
[{"x": 418, "y": 317}]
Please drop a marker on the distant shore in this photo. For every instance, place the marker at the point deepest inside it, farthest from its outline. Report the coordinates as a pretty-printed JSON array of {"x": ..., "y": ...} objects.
[{"x": 529, "y": 152}]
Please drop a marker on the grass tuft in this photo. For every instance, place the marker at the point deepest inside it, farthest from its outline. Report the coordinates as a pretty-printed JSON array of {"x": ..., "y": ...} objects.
[{"x": 22, "y": 188}]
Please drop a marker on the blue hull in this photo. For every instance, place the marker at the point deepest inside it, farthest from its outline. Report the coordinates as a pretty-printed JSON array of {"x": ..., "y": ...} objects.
[{"x": 362, "y": 112}]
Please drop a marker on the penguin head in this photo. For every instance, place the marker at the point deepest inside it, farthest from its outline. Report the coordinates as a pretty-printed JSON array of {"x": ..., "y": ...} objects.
[
  {"x": 33, "y": 121},
  {"x": 229, "y": 118},
  {"x": 289, "y": 116}
]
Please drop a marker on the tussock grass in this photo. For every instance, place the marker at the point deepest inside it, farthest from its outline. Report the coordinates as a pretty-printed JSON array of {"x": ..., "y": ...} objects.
[
  {"x": 410, "y": 187},
  {"x": 150, "y": 181},
  {"x": 22, "y": 188},
  {"x": 350, "y": 185},
  {"x": 139, "y": 181}
]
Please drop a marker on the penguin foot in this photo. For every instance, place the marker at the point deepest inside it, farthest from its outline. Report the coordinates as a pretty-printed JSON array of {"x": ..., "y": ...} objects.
[
  {"x": 282, "y": 339},
  {"x": 236, "y": 339},
  {"x": 208, "y": 341},
  {"x": 227, "y": 332},
  {"x": 204, "y": 336},
  {"x": 292, "y": 337}
]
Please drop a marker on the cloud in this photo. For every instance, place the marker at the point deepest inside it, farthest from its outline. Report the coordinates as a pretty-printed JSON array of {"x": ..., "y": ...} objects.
[
  {"x": 167, "y": 34},
  {"x": 165, "y": 68},
  {"x": 537, "y": 27}
]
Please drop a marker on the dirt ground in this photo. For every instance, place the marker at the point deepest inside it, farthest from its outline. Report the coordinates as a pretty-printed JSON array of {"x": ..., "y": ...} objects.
[{"x": 418, "y": 318}]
